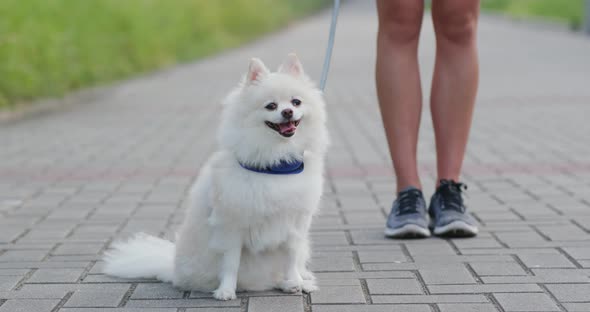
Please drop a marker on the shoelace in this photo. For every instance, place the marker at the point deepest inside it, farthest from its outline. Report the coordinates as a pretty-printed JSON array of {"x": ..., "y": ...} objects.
[
  {"x": 451, "y": 195},
  {"x": 408, "y": 201}
]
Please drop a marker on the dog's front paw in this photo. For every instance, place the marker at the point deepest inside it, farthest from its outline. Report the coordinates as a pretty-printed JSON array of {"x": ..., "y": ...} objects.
[
  {"x": 309, "y": 286},
  {"x": 290, "y": 286},
  {"x": 224, "y": 294}
]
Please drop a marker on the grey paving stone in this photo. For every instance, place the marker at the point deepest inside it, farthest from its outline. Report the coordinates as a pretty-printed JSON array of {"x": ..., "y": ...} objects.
[
  {"x": 368, "y": 237},
  {"x": 546, "y": 261},
  {"x": 372, "y": 308},
  {"x": 49, "y": 293},
  {"x": 511, "y": 251},
  {"x": 388, "y": 266},
  {"x": 446, "y": 275},
  {"x": 23, "y": 255},
  {"x": 348, "y": 275},
  {"x": 201, "y": 294},
  {"x": 534, "y": 279},
  {"x": 339, "y": 282},
  {"x": 48, "y": 234},
  {"x": 382, "y": 256},
  {"x": 156, "y": 291},
  {"x": 9, "y": 233},
  {"x": 459, "y": 259},
  {"x": 578, "y": 252},
  {"x": 101, "y": 278},
  {"x": 365, "y": 218},
  {"x": 119, "y": 310},
  {"x": 560, "y": 271},
  {"x": 22, "y": 305},
  {"x": 358, "y": 203},
  {"x": 28, "y": 246},
  {"x": 44, "y": 264},
  {"x": 501, "y": 268},
  {"x": 522, "y": 239},
  {"x": 478, "y": 242},
  {"x": 181, "y": 303},
  {"x": 570, "y": 292},
  {"x": 526, "y": 302},
  {"x": 97, "y": 268},
  {"x": 496, "y": 216},
  {"x": 68, "y": 214},
  {"x": 482, "y": 289},
  {"x": 467, "y": 307},
  {"x": 329, "y": 238},
  {"x": 338, "y": 294},
  {"x": 429, "y": 299},
  {"x": 332, "y": 261},
  {"x": 270, "y": 304},
  {"x": 439, "y": 248},
  {"x": 104, "y": 298},
  {"x": 13, "y": 272},
  {"x": 568, "y": 232},
  {"x": 577, "y": 307},
  {"x": 324, "y": 221},
  {"x": 212, "y": 310},
  {"x": 55, "y": 276},
  {"x": 69, "y": 258},
  {"x": 350, "y": 186},
  {"x": 8, "y": 282},
  {"x": 78, "y": 249},
  {"x": 394, "y": 286}
]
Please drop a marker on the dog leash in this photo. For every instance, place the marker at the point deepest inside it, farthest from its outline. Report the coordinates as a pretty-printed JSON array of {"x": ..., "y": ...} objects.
[{"x": 328, "y": 56}]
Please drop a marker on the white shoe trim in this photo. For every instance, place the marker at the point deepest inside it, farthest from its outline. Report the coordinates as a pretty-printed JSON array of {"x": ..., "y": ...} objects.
[
  {"x": 407, "y": 230},
  {"x": 456, "y": 226}
]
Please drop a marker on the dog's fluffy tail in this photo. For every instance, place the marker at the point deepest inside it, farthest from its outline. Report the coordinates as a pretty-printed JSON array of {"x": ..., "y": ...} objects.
[{"x": 142, "y": 256}]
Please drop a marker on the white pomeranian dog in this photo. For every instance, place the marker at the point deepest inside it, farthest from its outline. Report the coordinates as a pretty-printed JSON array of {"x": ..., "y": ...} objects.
[{"x": 249, "y": 212}]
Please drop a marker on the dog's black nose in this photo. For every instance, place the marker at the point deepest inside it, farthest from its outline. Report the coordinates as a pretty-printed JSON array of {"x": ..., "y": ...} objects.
[{"x": 287, "y": 113}]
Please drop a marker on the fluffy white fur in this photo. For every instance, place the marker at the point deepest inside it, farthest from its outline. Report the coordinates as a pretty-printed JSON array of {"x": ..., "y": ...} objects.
[{"x": 245, "y": 230}]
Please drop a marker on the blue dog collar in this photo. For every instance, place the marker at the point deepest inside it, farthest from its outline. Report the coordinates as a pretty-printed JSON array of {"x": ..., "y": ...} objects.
[{"x": 284, "y": 167}]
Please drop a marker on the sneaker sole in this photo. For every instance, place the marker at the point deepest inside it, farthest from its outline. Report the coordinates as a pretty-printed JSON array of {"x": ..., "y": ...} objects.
[
  {"x": 407, "y": 231},
  {"x": 456, "y": 229}
]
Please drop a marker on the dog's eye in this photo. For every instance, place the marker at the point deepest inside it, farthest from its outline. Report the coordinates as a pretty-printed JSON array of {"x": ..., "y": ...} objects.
[
  {"x": 296, "y": 102},
  {"x": 271, "y": 106}
]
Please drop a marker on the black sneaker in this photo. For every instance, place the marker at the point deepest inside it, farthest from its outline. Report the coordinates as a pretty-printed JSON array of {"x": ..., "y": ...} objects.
[
  {"x": 408, "y": 217},
  {"x": 448, "y": 212}
]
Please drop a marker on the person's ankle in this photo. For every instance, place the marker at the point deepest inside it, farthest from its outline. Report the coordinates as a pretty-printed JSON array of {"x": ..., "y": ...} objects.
[
  {"x": 448, "y": 178},
  {"x": 405, "y": 186}
]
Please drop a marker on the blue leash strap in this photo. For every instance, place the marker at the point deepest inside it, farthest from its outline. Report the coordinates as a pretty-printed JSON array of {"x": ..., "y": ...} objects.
[{"x": 330, "y": 46}]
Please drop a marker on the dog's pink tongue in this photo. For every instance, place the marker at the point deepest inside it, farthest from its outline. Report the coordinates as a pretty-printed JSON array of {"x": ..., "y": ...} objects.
[{"x": 287, "y": 127}]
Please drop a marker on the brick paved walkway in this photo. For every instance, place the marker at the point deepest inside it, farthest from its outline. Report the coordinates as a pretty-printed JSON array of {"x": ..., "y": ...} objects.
[{"x": 121, "y": 161}]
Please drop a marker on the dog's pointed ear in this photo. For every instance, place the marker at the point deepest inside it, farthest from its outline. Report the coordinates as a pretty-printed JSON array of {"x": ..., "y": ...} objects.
[
  {"x": 256, "y": 70},
  {"x": 292, "y": 66}
]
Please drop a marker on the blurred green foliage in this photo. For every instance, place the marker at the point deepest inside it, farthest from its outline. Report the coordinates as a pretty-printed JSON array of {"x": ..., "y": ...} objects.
[
  {"x": 567, "y": 11},
  {"x": 49, "y": 47}
]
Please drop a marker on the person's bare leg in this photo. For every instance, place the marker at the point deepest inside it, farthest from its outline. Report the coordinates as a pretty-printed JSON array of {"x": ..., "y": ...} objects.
[
  {"x": 398, "y": 83},
  {"x": 454, "y": 85}
]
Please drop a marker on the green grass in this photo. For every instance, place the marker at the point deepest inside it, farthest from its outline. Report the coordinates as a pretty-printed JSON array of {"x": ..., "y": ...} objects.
[
  {"x": 565, "y": 11},
  {"x": 50, "y": 47}
]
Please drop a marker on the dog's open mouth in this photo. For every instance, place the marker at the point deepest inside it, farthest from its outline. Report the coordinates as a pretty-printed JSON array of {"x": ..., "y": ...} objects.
[{"x": 286, "y": 129}]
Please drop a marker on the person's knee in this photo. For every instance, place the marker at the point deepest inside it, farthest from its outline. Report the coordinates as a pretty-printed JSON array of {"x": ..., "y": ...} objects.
[
  {"x": 400, "y": 24},
  {"x": 458, "y": 29}
]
